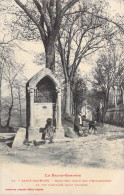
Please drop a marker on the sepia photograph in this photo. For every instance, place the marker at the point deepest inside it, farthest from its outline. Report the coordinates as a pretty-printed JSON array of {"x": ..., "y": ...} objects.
[{"x": 61, "y": 97}]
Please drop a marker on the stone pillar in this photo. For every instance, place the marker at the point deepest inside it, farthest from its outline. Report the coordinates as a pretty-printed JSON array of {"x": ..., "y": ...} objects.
[
  {"x": 31, "y": 107},
  {"x": 59, "y": 128},
  {"x": 33, "y": 132},
  {"x": 59, "y": 117}
]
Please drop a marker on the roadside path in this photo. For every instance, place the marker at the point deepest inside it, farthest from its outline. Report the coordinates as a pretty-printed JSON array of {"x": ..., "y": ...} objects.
[{"x": 104, "y": 150}]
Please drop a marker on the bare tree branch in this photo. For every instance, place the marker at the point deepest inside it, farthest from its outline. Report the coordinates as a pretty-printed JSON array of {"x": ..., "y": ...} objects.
[
  {"x": 26, "y": 10},
  {"x": 70, "y": 4}
]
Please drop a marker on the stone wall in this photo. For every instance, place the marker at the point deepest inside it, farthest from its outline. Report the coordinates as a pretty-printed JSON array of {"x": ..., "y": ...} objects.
[{"x": 115, "y": 116}]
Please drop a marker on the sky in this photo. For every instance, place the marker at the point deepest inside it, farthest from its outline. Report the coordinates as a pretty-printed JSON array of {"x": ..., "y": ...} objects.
[{"x": 117, "y": 6}]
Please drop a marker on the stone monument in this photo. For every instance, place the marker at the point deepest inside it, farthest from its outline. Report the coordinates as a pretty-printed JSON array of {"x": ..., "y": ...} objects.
[{"x": 43, "y": 101}]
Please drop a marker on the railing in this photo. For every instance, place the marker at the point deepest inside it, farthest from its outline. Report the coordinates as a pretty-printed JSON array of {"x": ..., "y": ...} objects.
[{"x": 45, "y": 96}]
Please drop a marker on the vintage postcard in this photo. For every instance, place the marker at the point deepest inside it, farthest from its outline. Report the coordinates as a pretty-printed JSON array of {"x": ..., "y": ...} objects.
[{"x": 62, "y": 97}]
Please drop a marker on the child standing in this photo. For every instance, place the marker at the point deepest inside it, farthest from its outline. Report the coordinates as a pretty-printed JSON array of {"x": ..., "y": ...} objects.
[{"x": 50, "y": 130}]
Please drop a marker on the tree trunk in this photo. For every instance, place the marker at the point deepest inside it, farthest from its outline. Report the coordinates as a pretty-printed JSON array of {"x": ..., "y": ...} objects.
[
  {"x": 67, "y": 99},
  {"x": 71, "y": 102},
  {"x": 1, "y": 69},
  {"x": 10, "y": 110},
  {"x": 115, "y": 96},
  {"x": 74, "y": 107},
  {"x": 20, "y": 109},
  {"x": 9, "y": 117},
  {"x": 50, "y": 54},
  {"x": 106, "y": 100},
  {"x": 0, "y": 96},
  {"x": 123, "y": 95}
]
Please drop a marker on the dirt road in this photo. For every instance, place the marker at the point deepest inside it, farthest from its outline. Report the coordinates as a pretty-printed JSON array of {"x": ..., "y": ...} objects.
[{"x": 104, "y": 150}]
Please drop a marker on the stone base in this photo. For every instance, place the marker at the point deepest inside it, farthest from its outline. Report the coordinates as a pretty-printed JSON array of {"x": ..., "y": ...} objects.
[
  {"x": 19, "y": 138},
  {"x": 60, "y": 134}
]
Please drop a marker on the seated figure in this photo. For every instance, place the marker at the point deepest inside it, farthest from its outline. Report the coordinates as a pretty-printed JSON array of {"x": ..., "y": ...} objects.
[{"x": 50, "y": 129}]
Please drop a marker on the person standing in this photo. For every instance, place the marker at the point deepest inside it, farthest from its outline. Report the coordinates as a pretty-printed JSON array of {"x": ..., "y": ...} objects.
[{"x": 78, "y": 124}]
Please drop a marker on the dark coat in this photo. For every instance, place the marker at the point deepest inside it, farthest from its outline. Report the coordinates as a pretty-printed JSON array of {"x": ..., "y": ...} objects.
[{"x": 77, "y": 126}]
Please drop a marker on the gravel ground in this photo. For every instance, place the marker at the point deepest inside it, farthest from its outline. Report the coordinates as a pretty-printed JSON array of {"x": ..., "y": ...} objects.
[{"x": 104, "y": 150}]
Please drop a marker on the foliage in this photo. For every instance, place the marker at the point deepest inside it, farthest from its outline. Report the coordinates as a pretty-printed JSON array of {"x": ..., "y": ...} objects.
[
  {"x": 13, "y": 82},
  {"x": 82, "y": 33},
  {"x": 109, "y": 70}
]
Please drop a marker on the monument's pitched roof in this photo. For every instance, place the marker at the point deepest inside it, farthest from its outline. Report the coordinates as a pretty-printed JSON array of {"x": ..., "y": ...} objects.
[{"x": 41, "y": 74}]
